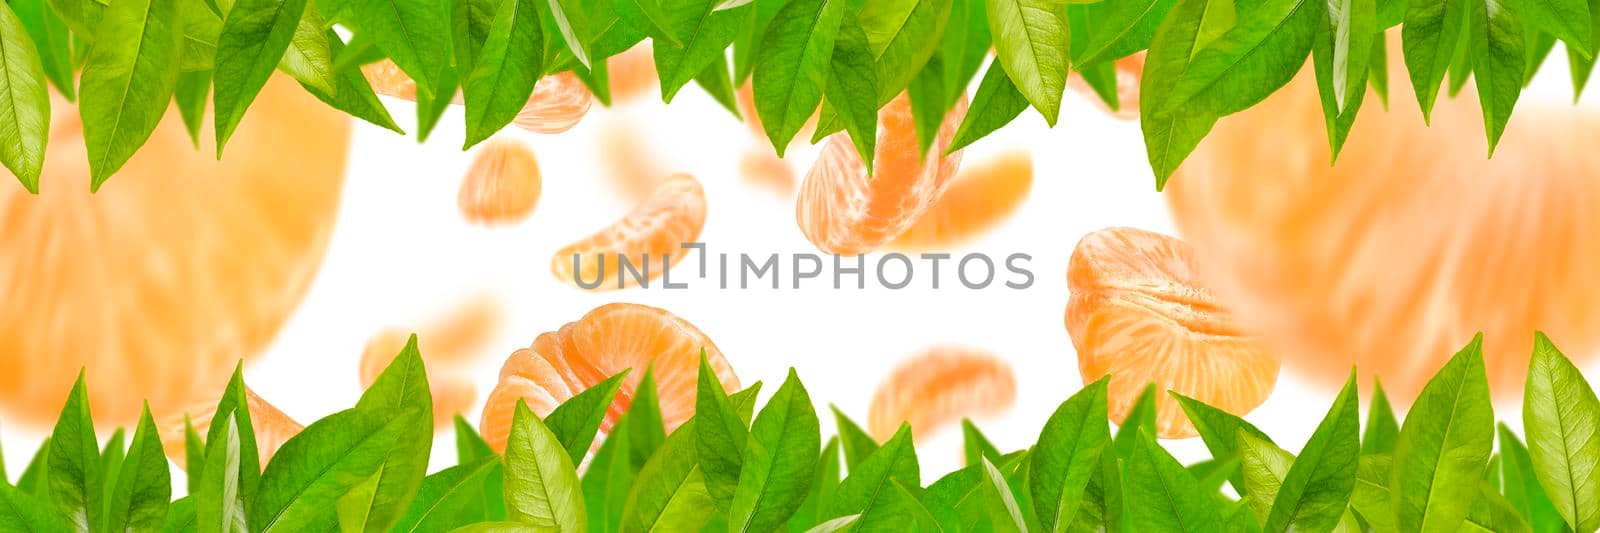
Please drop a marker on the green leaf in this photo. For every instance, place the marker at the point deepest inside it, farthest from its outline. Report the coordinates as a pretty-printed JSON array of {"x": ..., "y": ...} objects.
[
  {"x": 35, "y": 478},
  {"x": 144, "y": 485},
  {"x": 83, "y": 17},
  {"x": 452, "y": 497},
  {"x": 1342, "y": 52},
  {"x": 670, "y": 483},
  {"x": 576, "y": 421},
  {"x": 996, "y": 104},
  {"x": 1370, "y": 497},
  {"x": 571, "y": 22},
  {"x": 750, "y": 35},
  {"x": 927, "y": 104},
  {"x": 838, "y": 524},
  {"x": 542, "y": 487},
  {"x": 858, "y": 444},
  {"x": 413, "y": 33},
  {"x": 74, "y": 461},
  {"x": 703, "y": 32},
  {"x": 324, "y": 462},
  {"x": 255, "y": 35},
  {"x": 643, "y": 420},
  {"x": 1004, "y": 504},
  {"x": 127, "y": 81},
  {"x": 852, "y": 88},
  {"x": 354, "y": 95},
  {"x": 717, "y": 82},
  {"x": 20, "y": 511},
  {"x": 1568, "y": 20},
  {"x": 779, "y": 460},
  {"x": 606, "y": 482},
  {"x": 1169, "y": 497},
  {"x": 1581, "y": 67},
  {"x": 1264, "y": 466},
  {"x": 1461, "y": 61},
  {"x": 867, "y": 490},
  {"x": 1316, "y": 490},
  {"x": 1491, "y": 512},
  {"x": 1430, "y": 37},
  {"x": 1560, "y": 416},
  {"x": 309, "y": 58},
  {"x": 1248, "y": 62},
  {"x": 50, "y": 37},
  {"x": 791, "y": 67},
  {"x": 976, "y": 446},
  {"x": 1539, "y": 45},
  {"x": 903, "y": 34},
  {"x": 1127, "y": 27},
  {"x": 471, "y": 448},
  {"x": 1141, "y": 416},
  {"x": 965, "y": 44},
  {"x": 1170, "y": 137},
  {"x": 25, "y": 106},
  {"x": 506, "y": 70},
  {"x": 194, "y": 457},
  {"x": 720, "y": 436},
  {"x": 1443, "y": 445},
  {"x": 111, "y": 456},
  {"x": 823, "y": 484},
  {"x": 1031, "y": 44},
  {"x": 190, "y": 96},
  {"x": 1212, "y": 473},
  {"x": 1497, "y": 64},
  {"x": 430, "y": 108},
  {"x": 1067, "y": 455},
  {"x": 220, "y": 500},
  {"x": 1522, "y": 488},
  {"x": 403, "y": 386},
  {"x": 180, "y": 517},
  {"x": 497, "y": 527},
  {"x": 1218, "y": 429},
  {"x": 1100, "y": 77},
  {"x": 1382, "y": 429}
]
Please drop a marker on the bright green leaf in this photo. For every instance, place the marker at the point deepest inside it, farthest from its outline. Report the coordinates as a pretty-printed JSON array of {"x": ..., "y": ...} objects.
[
  {"x": 255, "y": 35},
  {"x": 1561, "y": 419},
  {"x": 144, "y": 484},
  {"x": 1170, "y": 137},
  {"x": 1497, "y": 63},
  {"x": 128, "y": 81},
  {"x": 401, "y": 387},
  {"x": 576, "y": 421},
  {"x": 720, "y": 436},
  {"x": 1217, "y": 429},
  {"x": 852, "y": 88},
  {"x": 1068, "y": 454},
  {"x": 1316, "y": 490},
  {"x": 1126, "y": 27},
  {"x": 867, "y": 490},
  {"x": 1522, "y": 488},
  {"x": 1141, "y": 416},
  {"x": 74, "y": 461},
  {"x": 1169, "y": 498},
  {"x": 1443, "y": 445},
  {"x": 324, "y": 462},
  {"x": 779, "y": 460},
  {"x": 1430, "y": 37},
  {"x": 1030, "y": 41},
  {"x": 1382, "y": 430},
  {"x": 791, "y": 67},
  {"x": 506, "y": 70},
  {"x": 24, "y": 103},
  {"x": 542, "y": 487},
  {"x": 704, "y": 34},
  {"x": 1370, "y": 497},
  {"x": 452, "y": 497},
  {"x": 1257, "y": 56},
  {"x": 996, "y": 104},
  {"x": 50, "y": 37}
]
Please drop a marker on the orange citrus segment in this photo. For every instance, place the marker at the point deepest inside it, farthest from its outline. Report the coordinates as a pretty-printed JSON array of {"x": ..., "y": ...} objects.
[
  {"x": 981, "y": 197},
  {"x": 179, "y": 266},
  {"x": 387, "y": 79},
  {"x": 1393, "y": 257},
  {"x": 1128, "y": 70},
  {"x": 606, "y": 341},
  {"x": 502, "y": 185},
  {"x": 633, "y": 169},
  {"x": 940, "y": 386},
  {"x": 633, "y": 73},
  {"x": 272, "y": 427},
  {"x": 1139, "y": 313},
  {"x": 650, "y": 237},
  {"x": 842, "y": 210},
  {"x": 454, "y": 340},
  {"x": 558, "y": 102},
  {"x": 759, "y": 167}
]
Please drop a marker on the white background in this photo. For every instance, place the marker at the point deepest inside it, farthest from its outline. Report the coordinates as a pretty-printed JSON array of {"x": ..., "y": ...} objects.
[{"x": 402, "y": 254}]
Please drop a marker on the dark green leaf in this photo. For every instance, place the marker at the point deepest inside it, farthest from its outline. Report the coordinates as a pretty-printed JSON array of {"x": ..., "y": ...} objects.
[
  {"x": 1497, "y": 63},
  {"x": 144, "y": 484},
  {"x": 1248, "y": 62},
  {"x": 779, "y": 460},
  {"x": 867, "y": 490},
  {"x": 74, "y": 461},
  {"x": 1430, "y": 36},
  {"x": 255, "y": 35},
  {"x": 1170, "y": 137},
  {"x": 24, "y": 103},
  {"x": 450, "y": 498},
  {"x": 1068, "y": 454},
  {"x": 852, "y": 88},
  {"x": 1141, "y": 416},
  {"x": 127, "y": 81},
  {"x": 1342, "y": 51},
  {"x": 965, "y": 45},
  {"x": 927, "y": 104},
  {"x": 505, "y": 71},
  {"x": 1100, "y": 77},
  {"x": 1030, "y": 41},
  {"x": 749, "y": 38},
  {"x": 190, "y": 95},
  {"x": 976, "y": 446},
  {"x": 576, "y": 421},
  {"x": 1123, "y": 28},
  {"x": 996, "y": 104},
  {"x": 1316, "y": 490},
  {"x": 857, "y": 443},
  {"x": 413, "y": 33},
  {"x": 606, "y": 482},
  {"x": 704, "y": 34},
  {"x": 717, "y": 82},
  {"x": 791, "y": 67},
  {"x": 1443, "y": 445},
  {"x": 1561, "y": 418},
  {"x": 1169, "y": 498}
]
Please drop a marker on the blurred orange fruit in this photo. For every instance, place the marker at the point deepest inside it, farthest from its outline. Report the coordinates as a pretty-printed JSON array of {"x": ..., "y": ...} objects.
[
  {"x": 633, "y": 168},
  {"x": 455, "y": 339},
  {"x": 272, "y": 427},
  {"x": 502, "y": 185},
  {"x": 980, "y": 198},
  {"x": 1128, "y": 70},
  {"x": 179, "y": 266},
  {"x": 650, "y": 237},
  {"x": 633, "y": 73},
  {"x": 940, "y": 386},
  {"x": 842, "y": 210},
  {"x": 1139, "y": 313},
  {"x": 609, "y": 339},
  {"x": 760, "y": 164},
  {"x": 1393, "y": 258},
  {"x": 558, "y": 101}
]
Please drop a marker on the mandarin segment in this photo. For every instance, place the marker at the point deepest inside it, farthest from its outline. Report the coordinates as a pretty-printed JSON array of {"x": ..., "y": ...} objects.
[
  {"x": 650, "y": 237},
  {"x": 1140, "y": 313},
  {"x": 633, "y": 73},
  {"x": 502, "y": 185},
  {"x": 606, "y": 341},
  {"x": 1411, "y": 242},
  {"x": 981, "y": 197},
  {"x": 558, "y": 102},
  {"x": 1128, "y": 71},
  {"x": 632, "y": 168},
  {"x": 842, "y": 210},
  {"x": 938, "y": 387},
  {"x": 271, "y": 426},
  {"x": 178, "y": 267}
]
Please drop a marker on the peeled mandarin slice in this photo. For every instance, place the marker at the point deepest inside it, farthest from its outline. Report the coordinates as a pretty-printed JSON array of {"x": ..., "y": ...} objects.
[
  {"x": 633, "y": 73},
  {"x": 387, "y": 79},
  {"x": 938, "y": 387},
  {"x": 981, "y": 198},
  {"x": 558, "y": 102},
  {"x": 1140, "y": 313},
  {"x": 1128, "y": 70},
  {"x": 179, "y": 266},
  {"x": 502, "y": 185},
  {"x": 1393, "y": 257},
  {"x": 759, "y": 167},
  {"x": 455, "y": 339},
  {"x": 842, "y": 210},
  {"x": 606, "y": 341},
  {"x": 272, "y": 428},
  {"x": 650, "y": 236}
]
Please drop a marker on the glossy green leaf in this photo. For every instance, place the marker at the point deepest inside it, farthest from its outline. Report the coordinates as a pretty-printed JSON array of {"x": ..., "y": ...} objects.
[
  {"x": 1169, "y": 498},
  {"x": 1342, "y": 52},
  {"x": 20, "y": 511},
  {"x": 852, "y": 87},
  {"x": 1561, "y": 419},
  {"x": 1123, "y": 28},
  {"x": 354, "y": 95},
  {"x": 1067, "y": 455},
  {"x": 1370, "y": 497},
  {"x": 1218, "y": 429},
  {"x": 51, "y": 39},
  {"x": 1521, "y": 486},
  {"x": 1382, "y": 430},
  {"x": 542, "y": 488},
  {"x": 255, "y": 35},
  {"x": 1263, "y": 466},
  {"x": 507, "y": 68},
  {"x": 1443, "y": 445},
  {"x": 24, "y": 103},
  {"x": 867, "y": 491},
  {"x": 792, "y": 65},
  {"x": 1316, "y": 490},
  {"x": 127, "y": 81},
  {"x": 1030, "y": 41},
  {"x": 220, "y": 500},
  {"x": 402, "y": 386},
  {"x": 144, "y": 484},
  {"x": 1004, "y": 504},
  {"x": 1170, "y": 137},
  {"x": 74, "y": 461},
  {"x": 414, "y": 33},
  {"x": 1497, "y": 63},
  {"x": 996, "y": 104},
  {"x": 779, "y": 460},
  {"x": 572, "y": 23},
  {"x": 309, "y": 58},
  {"x": 1429, "y": 38},
  {"x": 324, "y": 462},
  {"x": 671, "y": 477},
  {"x": 450, "y": 498},
  {"x": 703, "y": 32},
  {"x": 1141, "y": 416},
  {"x": 1257, "y": 56},
  {"x": 576, "y": 421}
]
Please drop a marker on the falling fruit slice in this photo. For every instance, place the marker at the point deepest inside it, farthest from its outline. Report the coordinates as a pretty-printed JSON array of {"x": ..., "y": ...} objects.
[
  {"x": 272, "y": 427},
  {"x": 760, "y": 165},
  {"x": 938, "y": 387},
  {"x": 650, "y": 238},
  {"x": 1397, "y": 254},
  {"x": 632, "y": 168},
  {"x": 606, "y": 341},
  {"x": 1140, "y": 313},
  {"x": 179, "y": 266},
  {"x": 842, "y": 210},
  {"x": 1127, "y": 70},
  {"x": 633, "y": 74},
  {"x": 981, "y": 197},
  {"x": 558, "y": 101},
  {"x": 502, "y": 185},
  {"x": 456, "y": 339}
]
